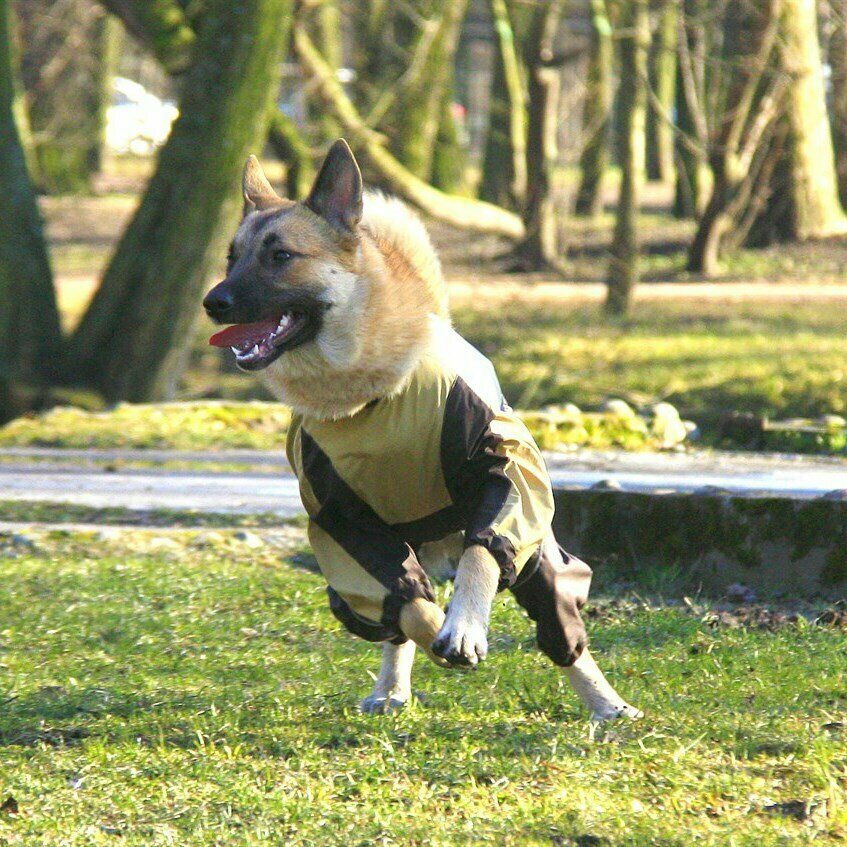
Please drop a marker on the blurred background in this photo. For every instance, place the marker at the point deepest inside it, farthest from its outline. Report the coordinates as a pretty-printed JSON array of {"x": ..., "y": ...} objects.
[{"x": 633, "y": 200}]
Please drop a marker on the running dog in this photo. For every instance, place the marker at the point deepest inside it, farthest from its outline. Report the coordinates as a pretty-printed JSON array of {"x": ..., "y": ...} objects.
[{"x": 405, "y": 449}]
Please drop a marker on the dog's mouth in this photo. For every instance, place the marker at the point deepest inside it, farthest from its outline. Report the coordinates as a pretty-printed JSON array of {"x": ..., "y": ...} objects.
[{"x": 258, "y": 344}]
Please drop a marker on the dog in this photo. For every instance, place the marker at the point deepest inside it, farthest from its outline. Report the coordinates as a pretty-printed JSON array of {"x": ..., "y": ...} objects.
[{"x": 406, "y": 452}]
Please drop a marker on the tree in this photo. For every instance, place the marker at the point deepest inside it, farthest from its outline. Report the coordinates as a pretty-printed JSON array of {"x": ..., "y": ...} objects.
[
  {"x": 461, "y": 212},
  {"x": 418, "y": 106},
  {"x": 838, "y": 63},
  {"x": 504, "y": 166},
  {"x": 632, "y": 107},
  {"x": 539, "y": 248},
  {"x": 30, "y": 337},
  {"x": 132, "y": 340},
  {"x": 751, "y": 104},
  {"x": 597, "y": 113},
  {"x": 66, "y": 72},
  {"x": 816, "y": 211},
  {"x": 660, "y": 138},
  {"x": 696, "y": 23}
]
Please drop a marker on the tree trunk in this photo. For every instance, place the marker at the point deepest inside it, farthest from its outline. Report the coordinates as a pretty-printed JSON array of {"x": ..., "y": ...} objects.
[
  {"x": 693, "y": 177},
  {"x": 504, "y": 168},
  {"x": 814, "y": 187},
  {"x": 460, "y": 212},
  {"x": 838, "y": 63},
  {"x": 30, "y": 337},
  {"x": 597, "y": 113},
  {"x": 632, "y": 99},
  {"x": 327, "y": 36},
  {"x": 163, "y": 27},
  {"x": 64, "y": 71},
  {"x": 448, "y": 161},
  {"x": 660, "y": 137},
  {"x": 417, "y": 111},
  {"x": 540, "y": 248},
  {"x": 133, "y": 339},
  {"x": 748, "y": 109},
  {"x": 290, "y": 148}
]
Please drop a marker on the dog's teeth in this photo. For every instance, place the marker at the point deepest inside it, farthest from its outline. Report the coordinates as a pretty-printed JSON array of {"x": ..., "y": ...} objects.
[
  {"x": 255, "y": 350},
  {"x": 235, "y": 350}
]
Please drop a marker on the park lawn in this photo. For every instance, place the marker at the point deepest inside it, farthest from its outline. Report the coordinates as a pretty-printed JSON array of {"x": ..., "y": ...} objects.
[
  {"x": 706, "y": 356},
  {"x": 196, "y": 692}
]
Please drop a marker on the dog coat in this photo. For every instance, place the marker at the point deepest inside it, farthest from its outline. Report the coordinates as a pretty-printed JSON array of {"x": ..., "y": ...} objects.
[{"x": 443, "y": 454}]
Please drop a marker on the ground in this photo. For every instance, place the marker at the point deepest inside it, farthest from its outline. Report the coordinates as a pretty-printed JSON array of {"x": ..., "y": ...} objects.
[
  {"x": 168, "y": 686},
  {"x": 766, "y": 337},
  {"x": 191, "y": 688}
]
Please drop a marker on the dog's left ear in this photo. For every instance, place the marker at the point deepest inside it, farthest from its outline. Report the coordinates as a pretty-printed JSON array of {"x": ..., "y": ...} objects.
[{"x": 337, "y": 192}]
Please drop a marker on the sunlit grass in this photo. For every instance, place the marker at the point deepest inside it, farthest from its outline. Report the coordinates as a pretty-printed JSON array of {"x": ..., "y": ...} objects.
[{"x": 205, "y": 696}]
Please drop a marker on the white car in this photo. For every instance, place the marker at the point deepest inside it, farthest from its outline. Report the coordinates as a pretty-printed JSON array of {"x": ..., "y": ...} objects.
[{"x": 137, "y": 121}]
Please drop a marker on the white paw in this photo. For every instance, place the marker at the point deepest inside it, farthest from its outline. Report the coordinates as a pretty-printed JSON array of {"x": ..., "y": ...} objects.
[
  {"x": 613, "y": 713},
  {"x": 381, "y": 704},
  {"x": 462, "y": 643}
]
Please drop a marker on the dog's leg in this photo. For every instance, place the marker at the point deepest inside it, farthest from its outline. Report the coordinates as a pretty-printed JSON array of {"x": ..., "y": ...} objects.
[
  {"x": 394, "y": 685},
  {"x": 594, "y": 690},
  {"x": 420, "y": 620},
  {"x": 463, "y": 638}
]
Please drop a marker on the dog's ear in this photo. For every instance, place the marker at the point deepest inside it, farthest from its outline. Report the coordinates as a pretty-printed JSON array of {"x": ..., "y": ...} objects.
[
  {"x": 258, "y": 194},
  {"x": 337, "y": 193}
]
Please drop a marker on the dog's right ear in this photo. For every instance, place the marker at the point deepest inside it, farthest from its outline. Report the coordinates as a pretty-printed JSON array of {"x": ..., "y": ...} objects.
[{"x": 258, "y": 193}]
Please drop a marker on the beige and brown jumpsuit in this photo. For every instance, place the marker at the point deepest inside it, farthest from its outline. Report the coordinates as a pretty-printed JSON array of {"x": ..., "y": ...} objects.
[{"x": 444, "y": 454}]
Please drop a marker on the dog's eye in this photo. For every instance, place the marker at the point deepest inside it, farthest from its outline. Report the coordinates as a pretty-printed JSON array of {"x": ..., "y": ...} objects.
[{"x": 280, "y": 256}]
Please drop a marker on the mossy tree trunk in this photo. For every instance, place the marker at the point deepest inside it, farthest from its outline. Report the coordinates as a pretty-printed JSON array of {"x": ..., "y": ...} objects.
[
  {"x": 632, "y": 108},
  {"x": 418, "y": 107},
  {"x": 133, "y": 339},
  {"x": 748, "y": 109},
  {"x": 597, "y": 113},
  {"x": 504, "y": 167},
  {"x": 65, "y": 71},
  {"x": 814, "y": 187},
  {"x": 163, "y": 26},
  {"x": 663, "y": 54},
  {"x": 30, "y": 337},
  {"x": 291, "y": 149},
  {"x": 461, "y": 212},
  {"x": 540, "y": 249}
]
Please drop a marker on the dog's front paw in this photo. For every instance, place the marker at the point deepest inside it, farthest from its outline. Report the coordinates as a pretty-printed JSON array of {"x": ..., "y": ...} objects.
[
  {"x": 380, "y": 704},
  {"x": 464, "y": 644}
]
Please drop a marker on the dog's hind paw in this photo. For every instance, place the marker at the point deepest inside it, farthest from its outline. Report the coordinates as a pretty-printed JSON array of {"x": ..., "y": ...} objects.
[
  {"x": 379, "y": 704},
  {"x": 462, "y": 645},
  {"x": 613, "y": 713}
]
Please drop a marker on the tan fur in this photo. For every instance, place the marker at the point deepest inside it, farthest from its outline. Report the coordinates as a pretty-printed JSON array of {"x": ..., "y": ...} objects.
[{"x": 383, "y": 292}]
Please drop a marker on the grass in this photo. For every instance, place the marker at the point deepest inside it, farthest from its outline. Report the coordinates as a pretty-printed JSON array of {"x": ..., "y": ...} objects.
[
  {"x": 188, "y": 697},
  {"x": 783, "y": 358},
  {"x": 45, "y": 511},
  {"x": 214, "y": 426}
]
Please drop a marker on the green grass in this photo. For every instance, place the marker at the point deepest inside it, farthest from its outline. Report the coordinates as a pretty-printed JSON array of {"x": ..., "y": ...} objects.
[
  {"x": 780, "y": 358},
  {"x": 45, "y": 511},
  {"x": 197, "y": 699},
  {"x": 211, "y": 426}
]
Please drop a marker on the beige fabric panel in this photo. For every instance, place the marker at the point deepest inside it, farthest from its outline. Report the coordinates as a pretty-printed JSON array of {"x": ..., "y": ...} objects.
[
  {"x": 527, "y": 513},
  {"x": 362, "y": 592},
  {"x": 292, "y": 450},
  {"x": 390, "y": 454}
]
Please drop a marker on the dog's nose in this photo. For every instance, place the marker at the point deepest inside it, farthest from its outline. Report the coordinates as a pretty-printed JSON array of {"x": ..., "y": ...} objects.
[{"x": 218, "y": 302}]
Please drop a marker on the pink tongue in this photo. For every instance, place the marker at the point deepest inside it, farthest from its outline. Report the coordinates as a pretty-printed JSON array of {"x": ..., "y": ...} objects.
[{"x": 240, "y": 334}]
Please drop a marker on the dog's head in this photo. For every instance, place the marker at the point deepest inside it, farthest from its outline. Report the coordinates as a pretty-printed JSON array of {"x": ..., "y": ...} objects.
[{"x": 293, "y": 267}]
